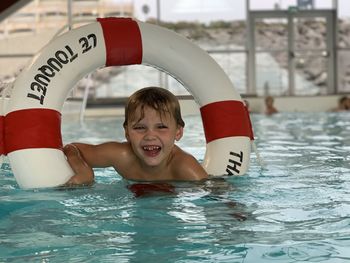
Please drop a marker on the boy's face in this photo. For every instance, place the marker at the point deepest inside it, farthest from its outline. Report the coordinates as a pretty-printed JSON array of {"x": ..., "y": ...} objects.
[{"x": 152, "y": 138}]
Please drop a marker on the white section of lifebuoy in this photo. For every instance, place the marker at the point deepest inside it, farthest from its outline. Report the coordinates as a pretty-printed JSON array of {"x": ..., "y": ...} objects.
[
  {"x": 163, "y": 49},
  {"x": 231, "y": 148},
  {"x": 69, "y": 75},
  {"x": 34, "y": 168},
  {"x": 193, "y": 67},
  {"x": 38, "y": 168}
]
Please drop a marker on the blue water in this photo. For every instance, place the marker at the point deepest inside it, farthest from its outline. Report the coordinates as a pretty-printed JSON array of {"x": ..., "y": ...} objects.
[{"x": 294, "y": 209}]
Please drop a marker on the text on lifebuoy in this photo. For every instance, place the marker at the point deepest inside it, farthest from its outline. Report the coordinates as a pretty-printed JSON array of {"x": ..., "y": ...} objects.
[{"x": 54, "y": 64}]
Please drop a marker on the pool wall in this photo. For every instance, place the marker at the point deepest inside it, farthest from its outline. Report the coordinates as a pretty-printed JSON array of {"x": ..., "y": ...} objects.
[{"x": 257, "y": 105}]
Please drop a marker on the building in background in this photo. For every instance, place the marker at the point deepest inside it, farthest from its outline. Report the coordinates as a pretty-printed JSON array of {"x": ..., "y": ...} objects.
[
  {"x": 306, "y": 4},
  {"x": 276, "y": 47},
  {"x": 40, "y": 15}
]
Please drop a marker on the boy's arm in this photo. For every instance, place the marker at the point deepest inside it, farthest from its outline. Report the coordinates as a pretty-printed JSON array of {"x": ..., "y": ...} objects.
[
  {"x": 83, "y": 157},
  {"x": 83, "y": 173},
  {"x": 101, "y": 155}
]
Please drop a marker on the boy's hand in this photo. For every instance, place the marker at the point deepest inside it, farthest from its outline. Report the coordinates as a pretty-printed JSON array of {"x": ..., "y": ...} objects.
[{"x": 83, "y": 173}]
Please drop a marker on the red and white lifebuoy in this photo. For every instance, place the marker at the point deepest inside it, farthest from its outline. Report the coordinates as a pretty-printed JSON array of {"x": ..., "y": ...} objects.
[{"x": 31, "y": 126}]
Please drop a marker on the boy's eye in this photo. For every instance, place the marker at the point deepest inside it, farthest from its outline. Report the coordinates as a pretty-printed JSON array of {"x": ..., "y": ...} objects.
[
  {"x": 138, "y": 127},
  {"x": 162, "y": 126}
]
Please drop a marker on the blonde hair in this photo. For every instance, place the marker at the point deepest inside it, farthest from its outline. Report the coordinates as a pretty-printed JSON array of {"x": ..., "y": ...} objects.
[{"x": 159, "y": 99}]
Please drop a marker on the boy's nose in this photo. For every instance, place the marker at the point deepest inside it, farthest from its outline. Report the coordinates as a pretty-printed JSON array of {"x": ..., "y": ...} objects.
[{"x": 150, "y": 134}]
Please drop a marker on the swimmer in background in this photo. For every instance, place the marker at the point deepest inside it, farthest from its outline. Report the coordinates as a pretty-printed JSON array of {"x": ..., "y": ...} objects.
[
  {"x": 343, "y": 104},
  {"x": 269, "y": 107},
  {"x": 152, "y": 124}
]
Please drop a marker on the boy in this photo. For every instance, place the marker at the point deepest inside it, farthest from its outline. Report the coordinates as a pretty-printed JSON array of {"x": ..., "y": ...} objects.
[{"x": 152, "y": 124}]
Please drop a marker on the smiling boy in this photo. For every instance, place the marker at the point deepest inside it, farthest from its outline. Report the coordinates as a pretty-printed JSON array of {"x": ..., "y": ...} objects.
[{"x": 152, "y": 124}]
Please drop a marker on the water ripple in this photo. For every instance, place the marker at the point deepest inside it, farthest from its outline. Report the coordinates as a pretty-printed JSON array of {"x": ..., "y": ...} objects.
[{"x": 296, "y": 208}]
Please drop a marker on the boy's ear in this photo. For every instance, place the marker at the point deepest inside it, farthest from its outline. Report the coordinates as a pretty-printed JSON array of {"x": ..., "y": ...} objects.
[
  {"x": 126, "y": 133},
  {"x": 179, "y": 133}
]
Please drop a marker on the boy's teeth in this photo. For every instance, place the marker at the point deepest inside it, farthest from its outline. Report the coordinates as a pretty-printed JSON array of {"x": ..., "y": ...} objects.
[{"x": 151, "y": 148}]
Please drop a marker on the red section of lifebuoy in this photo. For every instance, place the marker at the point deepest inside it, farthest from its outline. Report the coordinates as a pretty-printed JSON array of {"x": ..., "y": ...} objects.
[
  {"x": 2, "y": 137},
  {"x": 123, "y": 41},
  {"x": 32, "y": 128},
  {"x": 225, "y": 119}
]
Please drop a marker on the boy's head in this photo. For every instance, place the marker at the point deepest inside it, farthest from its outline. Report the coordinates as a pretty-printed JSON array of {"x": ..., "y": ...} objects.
[
  {"x": 159, "y": 99},
  {"x": 269, "y": 100}
]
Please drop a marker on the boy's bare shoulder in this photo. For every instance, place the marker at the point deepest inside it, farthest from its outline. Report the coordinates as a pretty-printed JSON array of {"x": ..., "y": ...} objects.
[
  {"x": 186, "y": 167},
  {"x": 117, "y": 152}
]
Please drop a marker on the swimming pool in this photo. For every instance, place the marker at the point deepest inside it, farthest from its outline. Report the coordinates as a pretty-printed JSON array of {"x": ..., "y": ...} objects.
[{"x": 294, "y": 209}]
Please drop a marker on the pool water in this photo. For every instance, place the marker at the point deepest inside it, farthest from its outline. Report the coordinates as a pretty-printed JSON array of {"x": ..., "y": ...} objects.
[{"x": 294, "y": 208}]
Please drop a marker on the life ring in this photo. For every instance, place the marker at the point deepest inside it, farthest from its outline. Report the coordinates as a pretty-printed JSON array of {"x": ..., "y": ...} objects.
[{"x": 32, "y": 132}]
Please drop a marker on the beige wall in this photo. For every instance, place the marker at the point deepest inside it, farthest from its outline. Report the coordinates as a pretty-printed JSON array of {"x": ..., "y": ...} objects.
[
  {"x": 297, "y": 104},
  {"x": 283, "y": 104}
]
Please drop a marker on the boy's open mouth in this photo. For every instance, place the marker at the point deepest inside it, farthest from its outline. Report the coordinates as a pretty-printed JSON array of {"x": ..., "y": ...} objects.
[{"x": 151, "y": 150}]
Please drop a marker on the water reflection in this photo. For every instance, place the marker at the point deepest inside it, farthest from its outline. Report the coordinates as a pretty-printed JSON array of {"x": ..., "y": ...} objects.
[{"x": 296, "y": 208}]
